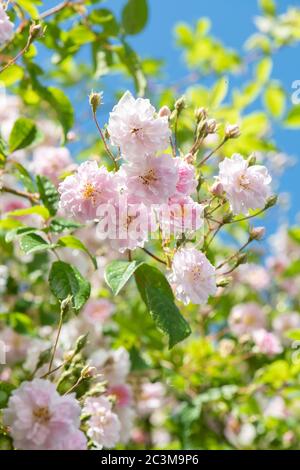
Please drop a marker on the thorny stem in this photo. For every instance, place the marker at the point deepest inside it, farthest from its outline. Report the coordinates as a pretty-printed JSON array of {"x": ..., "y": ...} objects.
[{"x": 108, "y": 151}]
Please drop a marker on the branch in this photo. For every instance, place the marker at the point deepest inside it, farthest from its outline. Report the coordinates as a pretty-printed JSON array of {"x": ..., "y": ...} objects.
[
  {"x": 108, "y": 151},
  {"x": 213, "y": 151},
  {"x": 16, "y": 192},
  {"x": 154, "y": 256}
]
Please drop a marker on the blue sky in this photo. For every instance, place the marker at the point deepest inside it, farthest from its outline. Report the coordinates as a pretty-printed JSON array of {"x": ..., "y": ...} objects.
[{"x": 232, "y": 22}]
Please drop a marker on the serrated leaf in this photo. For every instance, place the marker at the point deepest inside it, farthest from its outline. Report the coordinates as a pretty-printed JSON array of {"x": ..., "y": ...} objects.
[
  {"x": 65, "y": 280},
  {"x": 22, "y": 135},
  {"x": 48, "y": 194},
  {"x": 118, "y": 273},
  {"x": 159, "y": 299},
  {"x": 72, "y": 242},
  {"x": 59, "y": 224},
  {"x": 134, "y": 16},
  {"x": 32, "y": 243},
  {"x": 17, "y": 232},
  {"x": 25, "y": 177}
]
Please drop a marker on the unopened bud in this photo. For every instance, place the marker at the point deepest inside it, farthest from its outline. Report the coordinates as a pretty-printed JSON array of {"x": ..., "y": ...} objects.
[
  {"x": 211, "y": 126},
  {"x": 271, "y": 201},
  {"x": 81, "y": 343},
  {"x": 201, "y": 130},
  {"x": 65, "y": 303},
  {"x": 224, "y": 282},
  {"x": 95, "y": 100},
  {"x": 217, "y": 189},
  {"x": 251, "y": 160},
  {"x": 226, "y": 347},
  {"x": 164, "y": 112},
  {"x": 71, "y": 136},
  {"x": 241, "y": 259},
  {"x": 200, "y": 182},
  {"x": 200, "y": 114},
  {"x": 227, "y": 218},
  {"x": 68, "y": 355},
  {"x": 189, "y": 158},
  {"x": 180, "y": 104},
  {"x": 36, "y": 31},
  {"x": 232, "y": 131},
  {"x": 257, "y": 233},
  {"x": 88, "y": 372}
]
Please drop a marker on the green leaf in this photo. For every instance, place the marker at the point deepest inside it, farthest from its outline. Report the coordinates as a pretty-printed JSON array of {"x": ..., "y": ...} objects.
[
  {"x": 39, "y": 210},
  {"x": 28, "y": 6},
  {"x": 293, "y": 334},
  {"x": 17, "y": 232},
  {"x": 218, "y": 92},
  {"x": 159, "y": 299},
  {"x": 25, "y": 177},
  {"x": 118, "y": 273},
  {"x": 65, "y": 280},
  {"x": 293, "y": 117},
  {"x": 134, "y": 16},
  {"x": 268, "y": 6},
  {"x": 106, "y": 19},
  {"x": 31, "y": 243},
  {"x": 72, "y": 242},
  {"x": 22, "y": 135},
  {"x": 18, "y": 321},
  {"x": 6, "y": 442},
  {"x": 59, "y": 225},
  {"x": 11, "y": 75},
  {"x": 264, "y": 69},
  {"x": 5, "y": 392},
  {"x": 294, "y": 233},
  {"x": 63, "y": 107},
  {"x": 274, "y": 99},
  {"x": 293, "y": 269},
  {"x": 48, "y": 193},
  {"x": 80, "y": 35},
  {"x": 133, "y": 65},
  {"x": 58, "y": 101}
]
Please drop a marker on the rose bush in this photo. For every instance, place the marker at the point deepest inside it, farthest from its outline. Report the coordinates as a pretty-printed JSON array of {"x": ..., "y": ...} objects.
[{"x": 140, "y": 304}]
